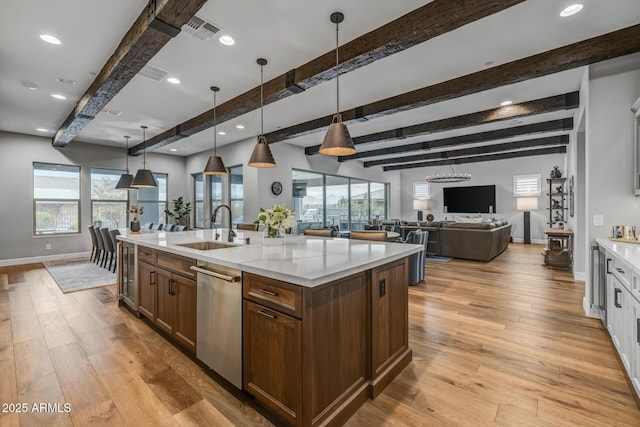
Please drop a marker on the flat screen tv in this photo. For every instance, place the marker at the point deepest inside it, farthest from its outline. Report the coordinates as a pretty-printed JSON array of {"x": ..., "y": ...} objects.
[{"x": 474, "y": 199}]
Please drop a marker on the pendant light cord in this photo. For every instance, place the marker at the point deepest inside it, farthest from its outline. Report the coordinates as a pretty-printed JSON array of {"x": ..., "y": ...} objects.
[
  {"x": 337, "y": 73},
  {"x": 127, "y": 139},
  {"x": 215, "y": 134},
  {"x": 144, "y": 147},
  {"x": 261, "y": 100}
]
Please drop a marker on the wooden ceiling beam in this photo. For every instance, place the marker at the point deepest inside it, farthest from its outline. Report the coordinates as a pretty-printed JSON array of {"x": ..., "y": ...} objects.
[
  {"x": 483, "y": 158},
  {"x": 611, "y": 45},
  {"x": 431, "y": 20},
  {"x": 492, "y": 135},
  {"x": 155, "y": 26},
  {"x": 474, "y": 151}
]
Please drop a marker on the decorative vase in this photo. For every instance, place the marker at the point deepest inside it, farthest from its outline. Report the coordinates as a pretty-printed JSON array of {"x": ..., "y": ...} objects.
[
  {"x": 134, "y": 225},
  {"x": 272, "y": 236}
]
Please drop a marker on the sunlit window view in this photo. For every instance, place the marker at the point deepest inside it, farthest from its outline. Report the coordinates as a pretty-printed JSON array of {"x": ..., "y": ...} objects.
[
  {"x": 198, "y": 198},
  {"x": 236, "y": 201},
  {"x": 322, "y": 200},
  {"x": 108, "y": 204},
  {"x": 56, "y": 197},
  {"x": 154, "y": 201}
]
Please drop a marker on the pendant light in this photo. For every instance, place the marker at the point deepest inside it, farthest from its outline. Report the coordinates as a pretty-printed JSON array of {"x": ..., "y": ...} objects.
[
  {"x": 448, "y": 173},
  {"x": 215, "y": 166},
  {"x": 144, "y": 177},
  {"x": 124, "y": 183},
  {"x": 337, "y": 141},
  {"x": 261, "y": 156}
]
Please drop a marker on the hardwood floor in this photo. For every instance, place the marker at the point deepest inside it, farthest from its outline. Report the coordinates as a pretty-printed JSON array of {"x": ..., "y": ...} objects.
[{"x": 502, "y": 343}]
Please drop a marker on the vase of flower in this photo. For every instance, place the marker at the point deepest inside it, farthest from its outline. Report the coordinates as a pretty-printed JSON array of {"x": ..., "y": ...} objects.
[
  {"x": 134, "y": 225},
  {"x": 275, "y": 221}
]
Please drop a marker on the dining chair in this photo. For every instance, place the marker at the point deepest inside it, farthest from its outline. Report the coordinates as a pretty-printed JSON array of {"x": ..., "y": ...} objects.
[
  {"x": 168, "y": 227},
  {"x": 180, "y": 228},
  {"x": 249, "y": 227},
  {"x": 101, "y": 251},
  {"x": 94, "y": 242},
  {"x": 155, "y": 226},
  {"x": 322, "y": 232},
  {"x": 108, "y": 247},
  {"x": 113, "y": 233},
  {"x": 369, "y": 235},
  {"x": 147, "y": 226}
]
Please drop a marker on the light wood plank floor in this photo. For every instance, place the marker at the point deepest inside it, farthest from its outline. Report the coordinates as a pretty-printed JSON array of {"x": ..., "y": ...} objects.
[{"x": 502, "y": 343}]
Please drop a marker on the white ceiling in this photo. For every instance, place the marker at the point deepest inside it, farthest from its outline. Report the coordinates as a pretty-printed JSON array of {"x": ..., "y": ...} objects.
[{"x": 288, "y": 33}]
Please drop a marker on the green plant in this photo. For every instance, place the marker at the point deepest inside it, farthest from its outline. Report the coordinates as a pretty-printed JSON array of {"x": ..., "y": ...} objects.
[{"x": 180, "y": 209}]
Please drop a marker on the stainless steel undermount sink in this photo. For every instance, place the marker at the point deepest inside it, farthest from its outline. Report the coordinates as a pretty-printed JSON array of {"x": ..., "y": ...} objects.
[{"x": 206, "y": 245}]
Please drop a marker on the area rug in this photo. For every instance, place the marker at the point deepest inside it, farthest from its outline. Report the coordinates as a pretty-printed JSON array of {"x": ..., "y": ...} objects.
[
  {"x": 435, "y": 258},
  {"x": 78, "y": 274}
]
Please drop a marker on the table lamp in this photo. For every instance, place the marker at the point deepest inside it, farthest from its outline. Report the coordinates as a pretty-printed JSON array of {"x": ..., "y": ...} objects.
[
  {"x": 419, "y": 205},
  {"x": 527, "y": 204}
]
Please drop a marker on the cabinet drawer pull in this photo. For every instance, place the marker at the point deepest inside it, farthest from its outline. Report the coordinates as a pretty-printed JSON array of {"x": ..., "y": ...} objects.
[
  {"x": 619, "y": 270},
  {"x": 608, "y": 262},
  {"x": 382, "y": 284},
  {"x": 265, "y": 314},
  {"x": 615, "y": 298},
  {"x": 171, "y": 291},
  {"x": 152, "y": 277},
  {"x": 268, "y": 292}
]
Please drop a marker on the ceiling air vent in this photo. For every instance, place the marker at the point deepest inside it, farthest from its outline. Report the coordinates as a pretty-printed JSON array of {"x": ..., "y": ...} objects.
[
  {"x": 200, "y": 28},
  {"x": 153, "y": 72}
]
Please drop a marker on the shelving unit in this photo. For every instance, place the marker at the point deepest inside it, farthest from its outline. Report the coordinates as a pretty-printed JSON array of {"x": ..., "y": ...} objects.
[{"x": 557, "y": 201}]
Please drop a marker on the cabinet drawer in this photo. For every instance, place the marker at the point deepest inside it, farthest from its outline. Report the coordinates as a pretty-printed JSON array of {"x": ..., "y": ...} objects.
[
  {"x": 146, "y": 254},
  {"x": 176, "y": 263},
  {"x": 274, "y": 294},
  {"x": 622, "y": 271}
]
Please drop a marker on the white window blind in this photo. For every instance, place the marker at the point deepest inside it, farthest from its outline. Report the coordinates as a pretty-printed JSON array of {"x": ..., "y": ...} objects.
[
  {"x": 526, "y": 185},
  {"x": 421, "y": 190}
]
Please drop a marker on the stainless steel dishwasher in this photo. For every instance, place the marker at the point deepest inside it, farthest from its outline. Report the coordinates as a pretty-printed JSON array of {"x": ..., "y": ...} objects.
[{"x": 219, "y": 320}]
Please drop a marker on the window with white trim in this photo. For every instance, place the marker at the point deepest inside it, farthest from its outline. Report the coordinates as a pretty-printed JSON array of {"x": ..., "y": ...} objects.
[
  {"x": 421, "y": 190},
  {"x": 56, "y": 199},
  {"x": 526, "y": 185},
  {"x": 198, "y": 198},
  {"x": 108, "y": 204},
  {"x": 154, "y": 200}
]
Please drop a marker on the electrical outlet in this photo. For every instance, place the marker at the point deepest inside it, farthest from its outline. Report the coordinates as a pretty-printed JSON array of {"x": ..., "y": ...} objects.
[
  {"x": 47, "y": 246},
  {"x": 598, "y": 220}
]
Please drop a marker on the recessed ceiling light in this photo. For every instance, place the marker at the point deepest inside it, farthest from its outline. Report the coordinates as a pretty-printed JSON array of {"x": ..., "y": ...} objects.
[
  {"x": 58, "y": 96},
  {"x": 173, "y": 149},
  {"x": 66, "y": 81},
  {"x": 50, "y": 39},
  {"x": 571, "y": 10},
  {"x": 29, "y": 85},
  {"x": 227, "y": 40},
  {"x": 506, "y": 102},
  {"x": 173, "y": 81},
  {"x": 239, "y": 126},
  {"x": 221, "y": 132},
  {"x": 42, "y": 130}
]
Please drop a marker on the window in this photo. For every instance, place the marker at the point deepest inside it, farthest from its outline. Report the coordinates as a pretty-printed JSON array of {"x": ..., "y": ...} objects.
[
  {"x": 198, "y": 197},
  {"x": 329, "y": 200},
  {"x": 108, "y": 205},
  {"x": 236, "y": 201},
  {"x": 215, "y": 182},
  {"x": 526, "y": 185},
  {"x": 421, "y": 190},
  {"x": 154, "y": 200},
  {"x": 56, "y": 199}
]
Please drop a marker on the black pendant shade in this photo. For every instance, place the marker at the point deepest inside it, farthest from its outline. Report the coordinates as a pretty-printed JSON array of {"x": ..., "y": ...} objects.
[
  {"x": 337, "y": 141},
  {"x": 144, "y": 177},
  {"x": 261, "y": 156},
  {"x": 215, "y": 166},
  {"x": 124, "y": 183}
]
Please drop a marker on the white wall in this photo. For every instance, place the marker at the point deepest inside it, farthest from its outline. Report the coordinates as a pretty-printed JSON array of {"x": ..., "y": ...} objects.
[
  {"x": 16, "y": 174},
  {"x": 499, "y": 173}
]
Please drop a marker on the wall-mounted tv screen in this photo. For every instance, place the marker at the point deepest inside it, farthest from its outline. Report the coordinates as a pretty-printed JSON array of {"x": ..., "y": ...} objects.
[{"x": 474, "y": 199}]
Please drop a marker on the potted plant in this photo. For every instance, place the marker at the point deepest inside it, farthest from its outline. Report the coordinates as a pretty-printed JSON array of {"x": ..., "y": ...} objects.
[
  {"x": 135, "y": 223},
  {"x": 275, "y": 221},
  {"x": 180, "y": 212}
]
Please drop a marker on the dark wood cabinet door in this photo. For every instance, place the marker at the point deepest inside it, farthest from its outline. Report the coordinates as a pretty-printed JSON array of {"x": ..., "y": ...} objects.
[
  {"x": 166, "y": 301},
  {"x": 186, "y": 303},
  {"x": 147, "y": 290},
  {"x": 273, "y": 360},
  {"x": 389, "y": 315}
]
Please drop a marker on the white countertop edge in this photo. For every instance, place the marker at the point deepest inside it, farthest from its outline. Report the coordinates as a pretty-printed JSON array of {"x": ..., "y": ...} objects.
[
  {"x": 160, "y": 241},
  {"x": 629, "y": 252}
]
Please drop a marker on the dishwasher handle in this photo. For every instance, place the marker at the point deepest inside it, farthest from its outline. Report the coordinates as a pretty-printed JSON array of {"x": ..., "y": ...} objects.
[{"x": 216, "y": 274}]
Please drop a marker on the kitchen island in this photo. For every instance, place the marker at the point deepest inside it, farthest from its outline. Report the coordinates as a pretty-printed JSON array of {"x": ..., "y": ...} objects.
[{"x": 324, "y": 321}]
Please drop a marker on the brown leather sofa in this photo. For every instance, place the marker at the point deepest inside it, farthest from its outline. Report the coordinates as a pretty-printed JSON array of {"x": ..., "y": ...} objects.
[{"x": 468, "y": 240}]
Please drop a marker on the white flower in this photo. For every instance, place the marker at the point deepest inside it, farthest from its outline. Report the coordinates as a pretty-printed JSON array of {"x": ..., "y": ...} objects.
[{"x": 277, "y": 217}]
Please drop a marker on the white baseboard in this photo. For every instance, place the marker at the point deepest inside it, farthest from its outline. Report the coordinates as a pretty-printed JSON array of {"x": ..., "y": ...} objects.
[
  {"x": 580, "y": 275},
  {"x": 596, "y": 313},
  {"x": 32, "y": 260},
  {"x": 536, "y": 241}
]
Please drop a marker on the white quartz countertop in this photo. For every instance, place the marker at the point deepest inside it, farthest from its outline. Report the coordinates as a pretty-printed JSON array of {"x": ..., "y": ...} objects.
[
  {"x": 629, "y": 252},
  {"x": 302, "y": 260}
]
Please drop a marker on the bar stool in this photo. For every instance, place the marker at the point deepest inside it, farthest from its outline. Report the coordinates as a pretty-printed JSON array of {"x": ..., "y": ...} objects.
[
  {"x": 322, "y": 232},
  {"x": 369, "y": 235}
]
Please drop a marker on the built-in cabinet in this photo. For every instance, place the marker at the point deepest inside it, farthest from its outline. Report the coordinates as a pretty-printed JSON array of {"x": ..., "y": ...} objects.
[
  {"x": 623, "y": 314},
  {"x": 167, "y": 294},
  {"x": 314, "y": 355}
]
